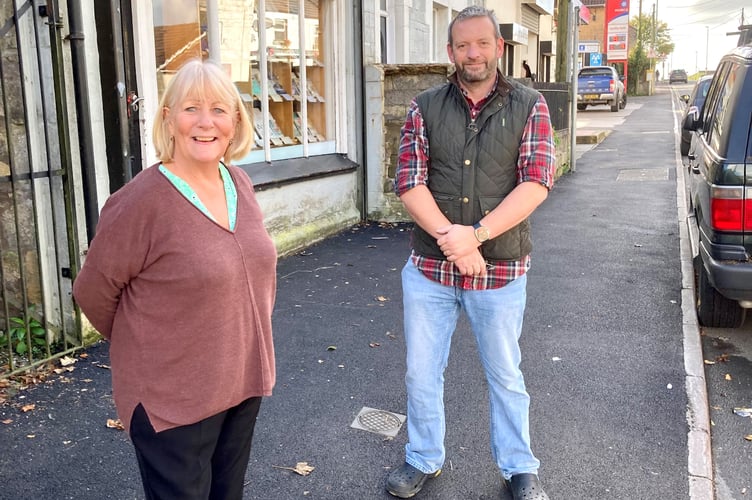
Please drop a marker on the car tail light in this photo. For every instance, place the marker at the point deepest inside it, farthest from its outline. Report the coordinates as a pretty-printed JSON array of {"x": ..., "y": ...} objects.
[
  {"x": 730, "y": 209},
  {"x": 611, "y": 86}
]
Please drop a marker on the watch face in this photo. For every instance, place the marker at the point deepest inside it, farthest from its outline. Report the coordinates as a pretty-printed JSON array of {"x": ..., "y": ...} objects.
[{"x": 482, "y": 234}]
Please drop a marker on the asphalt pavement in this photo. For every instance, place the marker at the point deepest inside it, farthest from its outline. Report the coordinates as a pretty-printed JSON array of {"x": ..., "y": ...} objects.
[{"x": 611, "y": 355}]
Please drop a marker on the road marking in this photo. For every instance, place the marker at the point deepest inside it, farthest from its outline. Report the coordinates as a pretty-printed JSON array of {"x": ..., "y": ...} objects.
[{"x": 643, "y": 174}]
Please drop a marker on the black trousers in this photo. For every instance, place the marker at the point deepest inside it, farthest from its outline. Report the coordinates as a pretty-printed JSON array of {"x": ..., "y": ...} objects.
[{"x": 205, "y": 460}]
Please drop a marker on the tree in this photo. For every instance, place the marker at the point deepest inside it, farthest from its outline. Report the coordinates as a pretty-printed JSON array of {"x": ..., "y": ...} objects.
[
  {"x": 649, "y": 31},
  {"x": 638, "y": 65},
  {"x": 562, "y": 41}
]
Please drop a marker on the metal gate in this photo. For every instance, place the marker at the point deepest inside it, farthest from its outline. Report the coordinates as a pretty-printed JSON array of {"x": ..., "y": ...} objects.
[{"x": 38, "y": 230}]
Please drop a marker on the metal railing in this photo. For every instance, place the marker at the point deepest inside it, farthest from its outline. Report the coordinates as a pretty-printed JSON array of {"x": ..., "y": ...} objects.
[
  {"x": 557, "y": 98},
  {"x": 38, "y": 320}
]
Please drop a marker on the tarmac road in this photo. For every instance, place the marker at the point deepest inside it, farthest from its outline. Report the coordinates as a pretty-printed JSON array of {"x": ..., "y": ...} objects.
[{"x": 605, "y": 350}]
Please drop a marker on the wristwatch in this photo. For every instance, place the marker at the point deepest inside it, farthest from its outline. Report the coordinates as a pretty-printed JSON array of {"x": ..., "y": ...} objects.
[{"x": 481, "y": 232}]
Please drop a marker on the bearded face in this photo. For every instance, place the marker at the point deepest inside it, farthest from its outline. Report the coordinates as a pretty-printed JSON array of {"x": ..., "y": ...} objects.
[
  {"x": 476, "y": 71},
  {"x": 475, "y": 49}
]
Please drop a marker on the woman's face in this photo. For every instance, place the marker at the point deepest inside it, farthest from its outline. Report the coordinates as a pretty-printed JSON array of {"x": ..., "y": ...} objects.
[{"x": 201, "y": 130}]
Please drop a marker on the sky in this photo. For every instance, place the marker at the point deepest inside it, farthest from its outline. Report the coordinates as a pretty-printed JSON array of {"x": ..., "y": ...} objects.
[{"x": 698, "y": 29}]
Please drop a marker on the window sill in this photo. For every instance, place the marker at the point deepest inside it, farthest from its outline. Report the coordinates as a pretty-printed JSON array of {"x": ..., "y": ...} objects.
[{"x": 280, "y": 172}]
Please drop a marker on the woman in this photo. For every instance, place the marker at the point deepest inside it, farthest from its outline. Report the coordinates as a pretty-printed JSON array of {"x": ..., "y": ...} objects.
[{"x": 181, "y": 279}]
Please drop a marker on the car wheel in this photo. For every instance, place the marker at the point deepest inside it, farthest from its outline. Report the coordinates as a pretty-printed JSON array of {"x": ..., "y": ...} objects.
[
  {"x": 581, "y": 107},
  {"x": 623, "y": 103},
  {"x": 615, "y": 104},
  {"x": 713, "y": 309}
]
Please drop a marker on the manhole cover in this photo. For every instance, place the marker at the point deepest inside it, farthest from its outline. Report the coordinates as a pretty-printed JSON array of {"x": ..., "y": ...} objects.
[{"x": 378, "y": 421}]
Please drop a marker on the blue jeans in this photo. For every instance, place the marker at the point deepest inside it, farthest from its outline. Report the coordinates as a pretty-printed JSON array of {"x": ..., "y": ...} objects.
[{"x": 431, "y": 312}]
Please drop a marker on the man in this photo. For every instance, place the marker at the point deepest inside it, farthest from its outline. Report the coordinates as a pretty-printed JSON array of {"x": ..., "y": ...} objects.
[
  {"x": 476, "y": 158},
  {"x": 527, "y": 72}
]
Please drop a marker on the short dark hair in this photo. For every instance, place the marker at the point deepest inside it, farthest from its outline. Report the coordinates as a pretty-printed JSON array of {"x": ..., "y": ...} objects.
[{"x": 471, "y": 12}]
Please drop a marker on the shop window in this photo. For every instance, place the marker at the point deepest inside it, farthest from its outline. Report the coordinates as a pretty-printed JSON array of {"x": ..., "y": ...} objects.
[
  {"x": 276, "y": 54},
  {"x": 384, "y": 31}
]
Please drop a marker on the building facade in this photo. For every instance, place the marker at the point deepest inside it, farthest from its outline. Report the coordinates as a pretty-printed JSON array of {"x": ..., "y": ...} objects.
[{"x": 82, "y": 81}]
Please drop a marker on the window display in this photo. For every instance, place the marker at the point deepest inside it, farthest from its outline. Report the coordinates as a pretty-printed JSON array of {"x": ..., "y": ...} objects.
[{"x": 278, "y": 65}]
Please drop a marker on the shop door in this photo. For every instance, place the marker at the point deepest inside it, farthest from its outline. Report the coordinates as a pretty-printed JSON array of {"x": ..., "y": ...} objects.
[
  {"x": 122, "y": 97},
  {"x": 162, "y": 35}
]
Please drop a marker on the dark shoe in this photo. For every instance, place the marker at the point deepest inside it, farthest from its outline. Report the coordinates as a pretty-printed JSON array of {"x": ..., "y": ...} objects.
[
  {"x": 526, "y": 487},
  {"x": 407, "y": 481}
]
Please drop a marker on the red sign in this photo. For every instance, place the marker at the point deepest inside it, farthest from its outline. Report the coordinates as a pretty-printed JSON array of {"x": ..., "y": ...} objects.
[{"x": 617, "y": 29}]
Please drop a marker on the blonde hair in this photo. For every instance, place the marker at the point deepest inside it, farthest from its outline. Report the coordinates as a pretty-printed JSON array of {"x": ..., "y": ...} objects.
[{"x": 202, "y": 80}]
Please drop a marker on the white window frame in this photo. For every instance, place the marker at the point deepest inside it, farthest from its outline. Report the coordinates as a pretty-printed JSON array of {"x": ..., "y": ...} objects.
[{"x": 143, "y": 37}]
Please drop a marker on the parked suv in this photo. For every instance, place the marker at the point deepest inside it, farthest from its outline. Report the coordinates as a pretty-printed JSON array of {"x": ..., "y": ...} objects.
[{"x": 720, "y": 193}]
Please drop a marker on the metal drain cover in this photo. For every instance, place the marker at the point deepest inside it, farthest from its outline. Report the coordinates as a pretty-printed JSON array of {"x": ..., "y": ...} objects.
[{"x": 378, "y": 421}]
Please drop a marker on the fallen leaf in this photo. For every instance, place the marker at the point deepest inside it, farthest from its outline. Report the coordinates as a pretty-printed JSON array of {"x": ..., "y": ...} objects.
[
  {"x": 301, "y": 468},
  {"x": 391, "y": 335},
  {"x": 723, "y": 358},
  {"x": 7, "y": 421},
  {"x": 743, "y": 412},
  {"x": 83, "y": 355},
  {"x": 331, "y": 348},
  {"x": 374, "y": 344},
  {"x": 708, "y": 362},
  {"x": 31, "y": 436},
  {"x": 66, "y": 442},
  {"x": 381, "y": 298},
  {"x": 67, "y": 361},
  {"x": 728, "y": 376},
  {"x": 63, "y": 370},
  {"x": 115, "y": 424},
  {"x": 28, "y": 407},
  {"x": 748, "y": 437}
]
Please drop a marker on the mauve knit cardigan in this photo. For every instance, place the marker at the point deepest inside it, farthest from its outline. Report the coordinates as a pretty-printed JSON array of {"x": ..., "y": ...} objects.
[{"x": 185, "y": 303}]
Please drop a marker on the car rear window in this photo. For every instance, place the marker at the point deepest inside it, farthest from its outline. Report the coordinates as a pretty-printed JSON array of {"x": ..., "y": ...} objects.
[{"x": 595, "y": 72}]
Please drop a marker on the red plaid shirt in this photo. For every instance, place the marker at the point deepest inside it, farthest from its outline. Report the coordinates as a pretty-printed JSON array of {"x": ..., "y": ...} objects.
[{"x": 536, "y": 163}]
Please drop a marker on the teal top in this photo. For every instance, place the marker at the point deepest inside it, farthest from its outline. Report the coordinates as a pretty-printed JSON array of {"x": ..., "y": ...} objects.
[{"x": 231, "y": 195}]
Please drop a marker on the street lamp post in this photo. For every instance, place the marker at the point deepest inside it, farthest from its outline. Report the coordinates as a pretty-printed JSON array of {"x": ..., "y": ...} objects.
[{"x": 707, "y": 46}]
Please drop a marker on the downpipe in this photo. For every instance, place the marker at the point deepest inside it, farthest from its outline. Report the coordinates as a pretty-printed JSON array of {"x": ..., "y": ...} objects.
[{"x": 83, "y": 112}]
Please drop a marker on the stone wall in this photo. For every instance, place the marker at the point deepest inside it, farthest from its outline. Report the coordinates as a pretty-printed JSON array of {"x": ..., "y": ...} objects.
[{"x": 389, "y": 90}]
